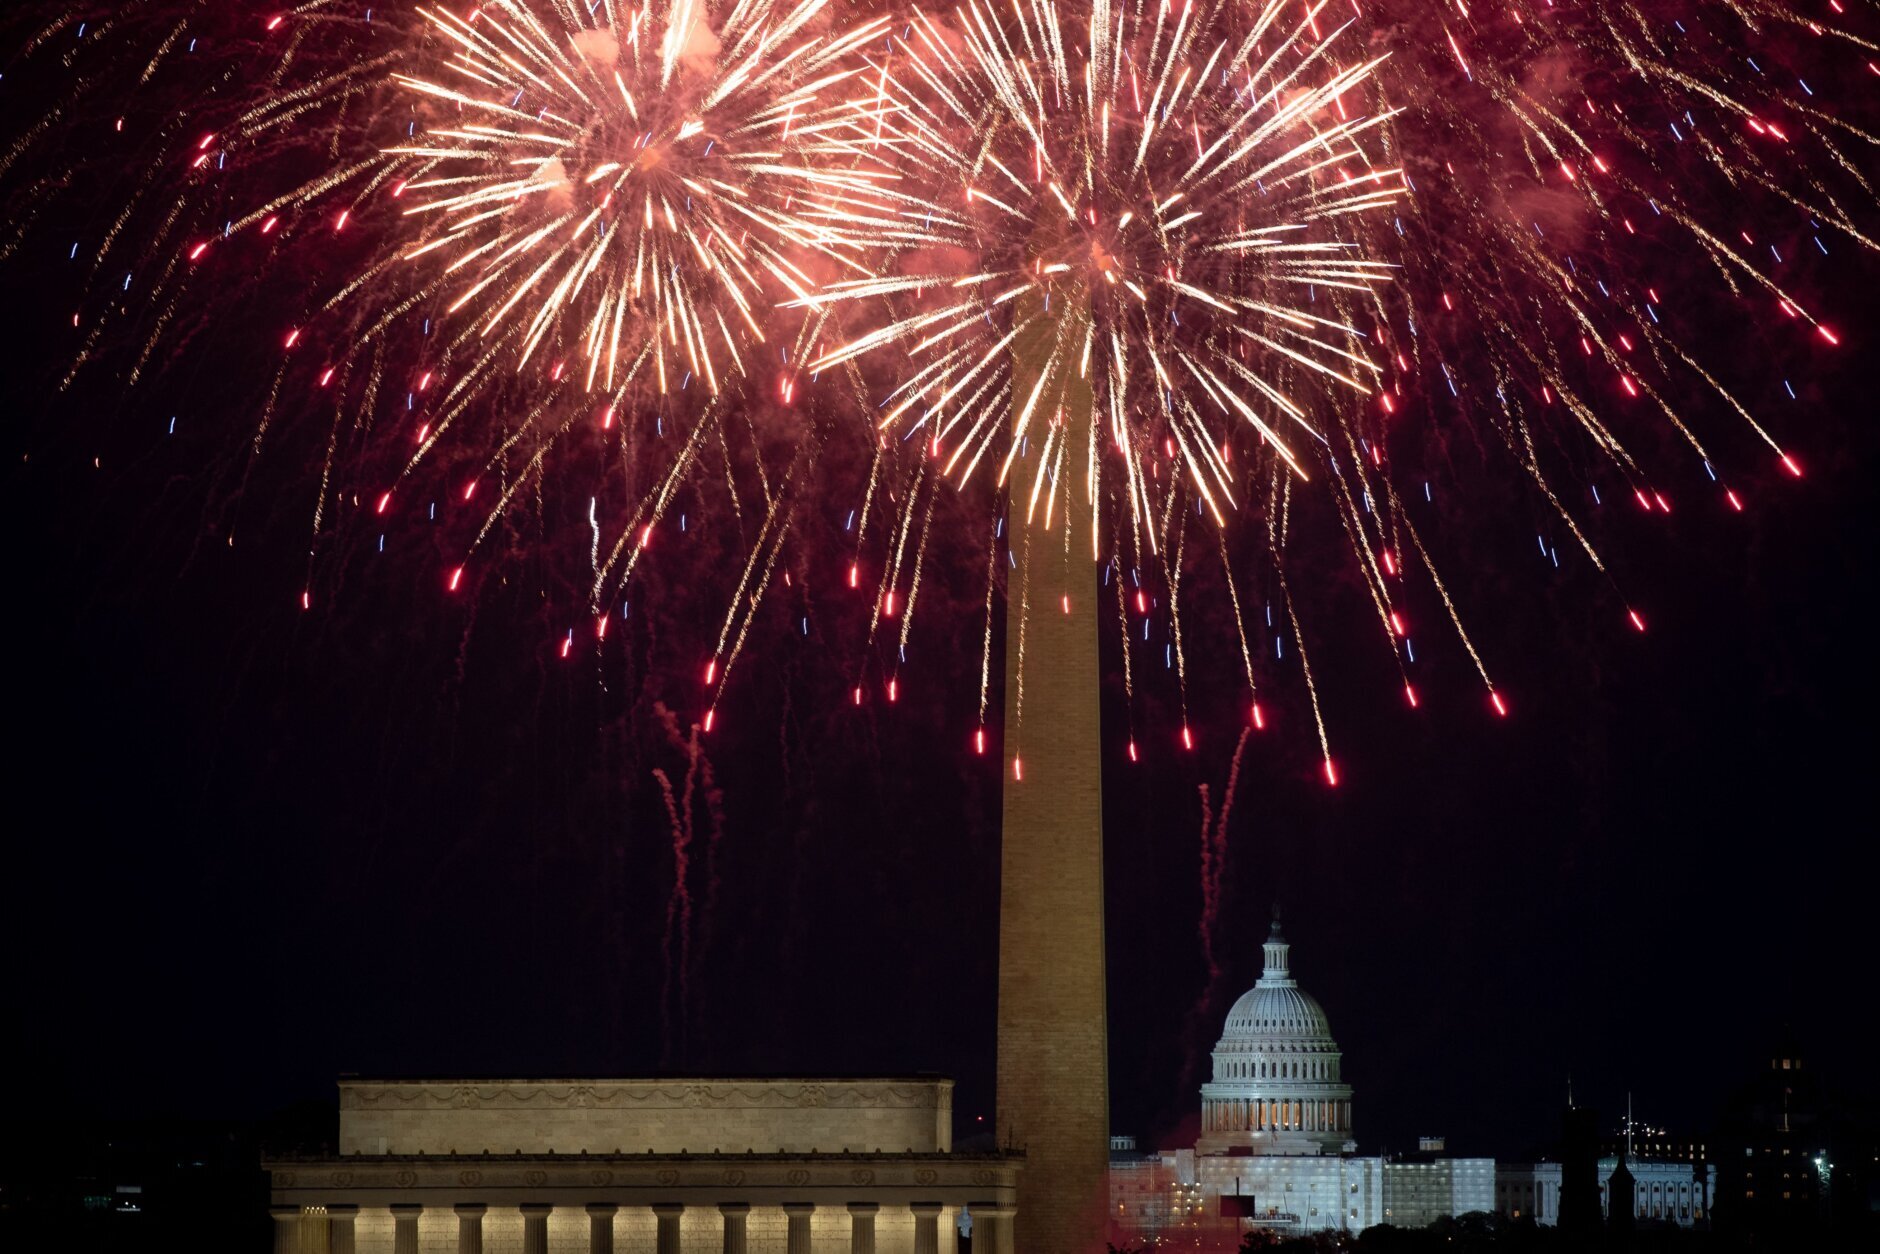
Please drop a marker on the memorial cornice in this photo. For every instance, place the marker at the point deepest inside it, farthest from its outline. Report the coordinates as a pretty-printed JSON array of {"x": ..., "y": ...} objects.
[
  {"x": 694, "y": 1178},
  {"x": 907, "y": 1093}
]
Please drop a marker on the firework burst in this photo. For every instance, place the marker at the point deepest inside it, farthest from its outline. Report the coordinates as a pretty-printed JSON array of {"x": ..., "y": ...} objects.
[
  {"x": 1574, "y": 207},
  {"x": 624, "y": 186},
  {"x": 1146, "y": 200},
  {"x": 1131, "y": 270},
  {"x": 618, "y": 184},
  {"x": 488, "y": 238},
  {"x": 1603, "y": 196}
]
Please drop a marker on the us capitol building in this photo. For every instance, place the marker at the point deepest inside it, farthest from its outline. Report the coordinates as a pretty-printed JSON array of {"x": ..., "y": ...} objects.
[{"x": 1276, "y": 1149}]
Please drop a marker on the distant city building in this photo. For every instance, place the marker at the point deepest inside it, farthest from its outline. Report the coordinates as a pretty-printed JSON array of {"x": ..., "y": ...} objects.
[
  {"x": 1796, "y": 1157},
  {"x": 1621, "y": 1199},
  {"x": 1671, "y": 1192},
  {"x": 1577, "y": 1208},
  {"x": 1791, "y": 1165},
  {"x": 1645, "y": 1175},
  {"x": 1276, "y": 1149},
  {"x": 594, "y": 1166},
  {"x": 1528, "y": 1191}
]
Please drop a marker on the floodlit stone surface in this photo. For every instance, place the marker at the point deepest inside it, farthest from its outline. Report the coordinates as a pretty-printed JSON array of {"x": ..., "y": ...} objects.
[
  {"x": 1053, "y": 1097},
  {"x": 637, "y": 1116},
  {"x": 675, "y": 1166}
]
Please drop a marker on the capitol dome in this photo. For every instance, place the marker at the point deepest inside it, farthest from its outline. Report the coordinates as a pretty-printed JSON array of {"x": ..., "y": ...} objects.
[
  {"x": 1280, "y": 1010},
  {"x": 1276, "y": 1087}
]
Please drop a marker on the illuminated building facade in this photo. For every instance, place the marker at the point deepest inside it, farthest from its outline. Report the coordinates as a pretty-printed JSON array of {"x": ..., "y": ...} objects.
[
  {"x": 644, "y": 1167},
  {"x": 1645, "y": 1175},
  {"x": 1664, "y": 1190},
  {"x": 1276, "y": 1149},
  {"x": 1276, "y": 1086}
]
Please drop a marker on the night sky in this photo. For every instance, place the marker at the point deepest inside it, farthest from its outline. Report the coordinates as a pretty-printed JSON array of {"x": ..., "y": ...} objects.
[{"x": 253, "y": 848}]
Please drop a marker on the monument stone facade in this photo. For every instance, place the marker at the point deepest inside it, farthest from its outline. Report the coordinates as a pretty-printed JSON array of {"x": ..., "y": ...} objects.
[{"x": 1053, "y": 1096}]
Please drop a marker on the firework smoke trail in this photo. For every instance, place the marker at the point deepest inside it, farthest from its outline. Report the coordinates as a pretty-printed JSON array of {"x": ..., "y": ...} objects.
[
  {"x": 679, "y": 954},
  {"x": 1214, "y": 855},
  {"x": 678, "y": 929},
  {"x": 1213, "y": 863}
]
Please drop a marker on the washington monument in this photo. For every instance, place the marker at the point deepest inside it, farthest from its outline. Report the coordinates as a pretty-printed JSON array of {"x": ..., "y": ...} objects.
[{"x": 1053, "y": 1062}]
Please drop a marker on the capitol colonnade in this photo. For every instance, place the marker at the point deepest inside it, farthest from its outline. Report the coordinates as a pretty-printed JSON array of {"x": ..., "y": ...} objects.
[
  {"x": 1269, "y": 1115},
  {"x": 420, "y": 1168}
]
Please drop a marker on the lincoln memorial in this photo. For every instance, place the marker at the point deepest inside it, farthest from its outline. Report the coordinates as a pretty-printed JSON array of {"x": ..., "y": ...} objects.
[{"x": 672, "y": 1166}]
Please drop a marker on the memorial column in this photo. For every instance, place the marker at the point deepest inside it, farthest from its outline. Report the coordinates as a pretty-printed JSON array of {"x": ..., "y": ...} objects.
[
  {"x": 535, "y": 1227},
  {"x": 992, "y": 1227},
  {"x": 926, "y": 1226},
  {"x": 601, "y": 1227},
  {"x": 667, "y": 1214},
  {"x": 798, "y": 1214},
  {"x": 735, "y": 1214},
  {"x": 339, "y": 1228},
  {"x": 469, "y": 1227},
  {"x": 862, "y": 1227},
  {"x": 405, "y": 1227},
  {"x": 286, "y": 1229}
]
